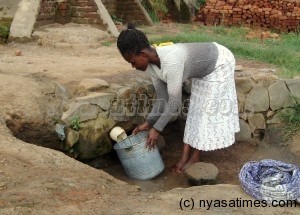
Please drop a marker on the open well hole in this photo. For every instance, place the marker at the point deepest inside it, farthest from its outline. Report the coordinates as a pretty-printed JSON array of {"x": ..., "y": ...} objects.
[{"x": 229, "y": 160}]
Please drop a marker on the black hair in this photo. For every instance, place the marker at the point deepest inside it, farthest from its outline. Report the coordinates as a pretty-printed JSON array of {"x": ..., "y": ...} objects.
[{"x": 132, "y": 41}]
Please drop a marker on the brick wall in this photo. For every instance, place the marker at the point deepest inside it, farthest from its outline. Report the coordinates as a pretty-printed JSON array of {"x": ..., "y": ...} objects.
[
  {"x": 64, "y": 11},
  {"x": 47, "y": 12},
  {"x": 85, "y": 11},
  {"x": 130, "y": 11},
  {"x": 111, "y": 6},
  {"x": 282, "y": 15}
]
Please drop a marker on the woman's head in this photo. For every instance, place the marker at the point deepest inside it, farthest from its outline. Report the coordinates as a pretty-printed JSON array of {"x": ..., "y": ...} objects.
[{"x": 132, "y": 43}]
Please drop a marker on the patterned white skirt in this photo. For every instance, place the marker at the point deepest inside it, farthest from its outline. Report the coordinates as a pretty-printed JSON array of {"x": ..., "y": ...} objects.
[{"x": 212, "y": 118}]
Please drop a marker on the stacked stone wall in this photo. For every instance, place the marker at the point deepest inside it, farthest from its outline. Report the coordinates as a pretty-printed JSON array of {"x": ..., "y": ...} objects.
[
  {"x": 262, "y": 99},
  {"x": 282, "y": 15}
]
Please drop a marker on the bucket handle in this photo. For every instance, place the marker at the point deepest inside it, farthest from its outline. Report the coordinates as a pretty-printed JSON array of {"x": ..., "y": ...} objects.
[{"x": 128, "y": 149}]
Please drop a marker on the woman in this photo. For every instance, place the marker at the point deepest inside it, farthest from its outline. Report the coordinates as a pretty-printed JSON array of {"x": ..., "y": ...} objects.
[{"x": 212, "y": 118}]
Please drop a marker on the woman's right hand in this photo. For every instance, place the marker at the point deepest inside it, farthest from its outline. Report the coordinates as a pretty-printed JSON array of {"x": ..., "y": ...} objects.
[{"x": 142, "y": 127}]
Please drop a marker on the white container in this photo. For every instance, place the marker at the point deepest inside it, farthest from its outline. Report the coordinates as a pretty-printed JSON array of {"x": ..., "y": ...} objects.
[{"x": 118, "y": 134}]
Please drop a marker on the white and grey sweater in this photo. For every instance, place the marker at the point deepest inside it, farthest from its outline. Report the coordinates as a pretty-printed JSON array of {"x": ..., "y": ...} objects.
[{"x": 178, "y": 63}]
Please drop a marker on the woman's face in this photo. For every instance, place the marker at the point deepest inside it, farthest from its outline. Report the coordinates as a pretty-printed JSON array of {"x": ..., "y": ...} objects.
[{"x": 138, "y": 61}]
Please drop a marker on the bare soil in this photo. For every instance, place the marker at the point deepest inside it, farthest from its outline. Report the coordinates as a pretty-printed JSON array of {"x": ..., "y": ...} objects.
[{"x": 38, "y": 180}]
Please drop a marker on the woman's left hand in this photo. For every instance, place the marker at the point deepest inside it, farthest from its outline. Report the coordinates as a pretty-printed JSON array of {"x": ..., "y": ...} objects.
[{"x": 152, "y": 138}]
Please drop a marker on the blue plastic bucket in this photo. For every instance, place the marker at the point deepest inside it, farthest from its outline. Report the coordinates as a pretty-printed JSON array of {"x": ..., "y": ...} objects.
[{"x": 137, "y": 161}]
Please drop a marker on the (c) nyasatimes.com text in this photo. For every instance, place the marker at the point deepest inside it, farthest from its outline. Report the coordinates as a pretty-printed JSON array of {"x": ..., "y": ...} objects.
[{"x": 190, "y": 203}]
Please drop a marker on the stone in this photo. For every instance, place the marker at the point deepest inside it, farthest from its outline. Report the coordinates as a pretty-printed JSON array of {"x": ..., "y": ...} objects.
[
  {"x": 243, "y": 84},
  {"x": 18, "y": 53},
  {"x": 103, "y": 114},
  {"x": 72, "y": 137},
  {"x": 270, "y": 113},
  {"x": 264, "y": 79},
  {"x": 61, "y": 92},
  {"x": 243, "y": 116},
  {"x": 118, "y": 111},
  {"x": 278, "y": 118},
  {"x": 280, "y": 96},
  {"x": 93, "y": 84},
  {"x": 201, "y": 173},
  {"x": 245, "y": 132},
  {"x": 93, "y": 138},
  {"x": 257, "y": 100},
  {"x": 256, "y": 121},
  {"x": 93, "y": 143},
  {"x": 106, "y": 124},
  {"x": 125, "y": 106},
  {"x": 114, "y": 86},
  {"x": 241, "y": 98},
  {"x": 239, "y": 68},
  {"x": 294, "y": 87},
  {"x": 125, "y": 93},
  {"x": 103, "y": 100},
  {"x": 84, "y": 111}
]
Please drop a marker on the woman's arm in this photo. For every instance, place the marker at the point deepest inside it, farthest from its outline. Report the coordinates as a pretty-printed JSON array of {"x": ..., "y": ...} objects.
[
  {"x": 174, "y": 88},
  {"x": 160, "y": 101}
]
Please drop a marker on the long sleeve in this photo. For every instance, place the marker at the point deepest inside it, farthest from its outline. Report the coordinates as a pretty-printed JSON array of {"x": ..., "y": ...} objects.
[
  {"x": 160, "y": 101},
  {"x": 174, "y": 88}
]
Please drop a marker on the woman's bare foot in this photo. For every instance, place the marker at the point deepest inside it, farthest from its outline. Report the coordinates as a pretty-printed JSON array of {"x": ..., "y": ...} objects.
[
  {"x": 193, "y": 159},
  {"x": 179, "y": 166}
]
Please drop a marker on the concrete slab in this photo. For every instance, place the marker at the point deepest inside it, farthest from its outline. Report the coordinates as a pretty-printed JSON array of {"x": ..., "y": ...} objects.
[
  {"x": 111, "y": 27},
  {"x": 25, "y": 17}
]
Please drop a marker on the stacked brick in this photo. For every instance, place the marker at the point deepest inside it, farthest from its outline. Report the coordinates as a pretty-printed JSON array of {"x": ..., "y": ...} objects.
[
  {"x": 84, "y": 12},
  {"x": 282, "y": 15},
  {"x": 47, "y": 12},
  {"x": 64, "y": 11},
  {"x": 130, "y": 11},
  {"x": 110, "y": 5}
]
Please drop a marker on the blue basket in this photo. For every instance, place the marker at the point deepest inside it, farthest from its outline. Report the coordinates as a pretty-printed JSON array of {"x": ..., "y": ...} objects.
[{"x": 137, "y": 161}]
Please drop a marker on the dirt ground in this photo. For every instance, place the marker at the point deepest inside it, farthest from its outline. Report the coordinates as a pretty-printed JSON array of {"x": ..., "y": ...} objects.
[{"x": 38, "y": 180}]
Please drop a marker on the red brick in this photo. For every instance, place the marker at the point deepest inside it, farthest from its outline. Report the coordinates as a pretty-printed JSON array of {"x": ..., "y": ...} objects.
[
  {"x": 63, "y": 6},
  {"x": 84, "y": 9},
  {"x": 92, "y": 15}
]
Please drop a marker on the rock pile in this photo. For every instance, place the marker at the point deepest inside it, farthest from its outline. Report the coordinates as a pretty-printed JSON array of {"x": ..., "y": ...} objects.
[{"x": 262, "y": 99}]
